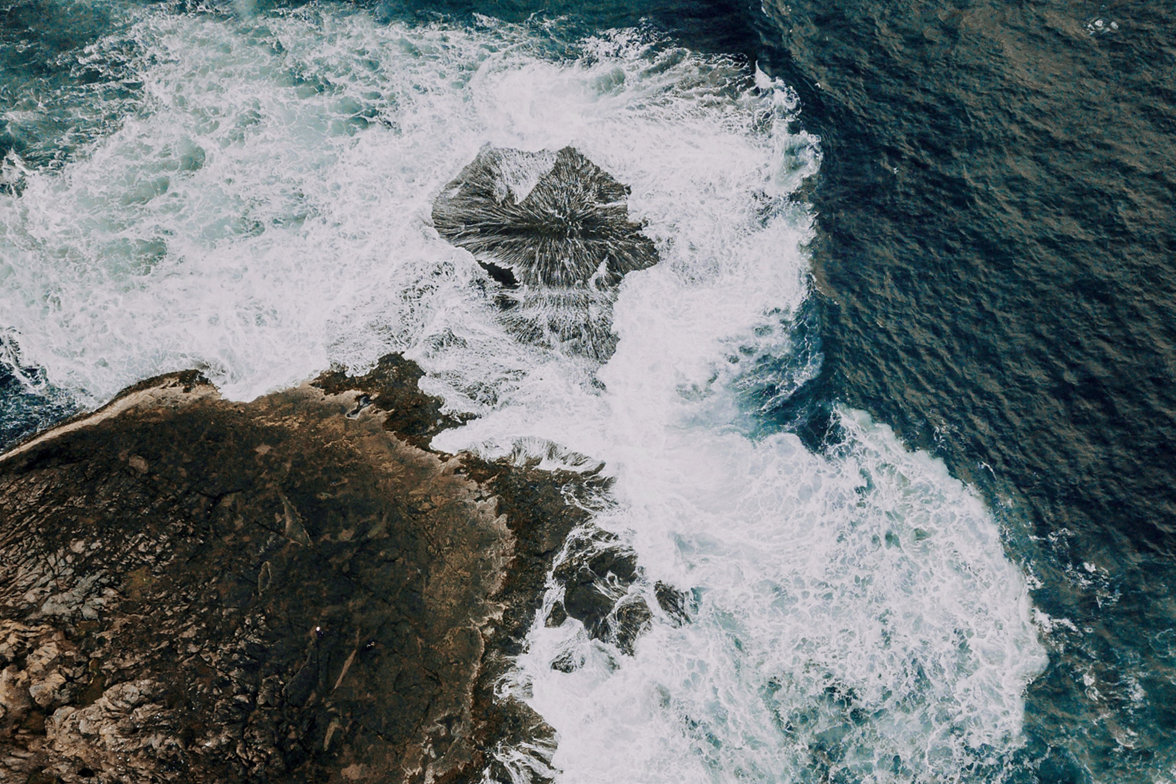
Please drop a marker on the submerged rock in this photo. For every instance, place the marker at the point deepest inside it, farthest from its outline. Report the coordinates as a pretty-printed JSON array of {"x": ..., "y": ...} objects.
[
  {"x": 295, "y": 588},
  {"x": 553, "y": 229}
]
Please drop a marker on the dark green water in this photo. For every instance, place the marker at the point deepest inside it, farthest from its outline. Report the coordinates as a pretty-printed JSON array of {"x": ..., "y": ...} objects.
[{"x": 996, "y": 252}]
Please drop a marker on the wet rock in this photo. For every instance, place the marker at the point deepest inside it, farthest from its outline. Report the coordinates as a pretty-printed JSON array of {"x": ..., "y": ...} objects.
[
  {"x": 567, "y": 661},
  {"x": 553, "y": 229},
  {"x": 595, "y": 572},
  {"x": 598, "y": 575},
  {"x": 677, "y": 605},
  {"x": 556, "y": 616},
  {"x": 295, "y": 588},
  {"x": 630, "y": 618}
]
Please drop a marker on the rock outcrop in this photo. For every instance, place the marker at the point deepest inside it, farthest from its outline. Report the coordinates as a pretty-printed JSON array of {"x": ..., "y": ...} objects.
[
  {"x": 294, "y": 589},
  {"x": 553, "y": 229}
]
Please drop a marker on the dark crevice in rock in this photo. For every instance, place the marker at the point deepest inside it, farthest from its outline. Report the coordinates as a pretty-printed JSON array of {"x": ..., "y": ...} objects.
[
  {"x": 503, "y": 275},
  {"x": 603, "y": 587}
]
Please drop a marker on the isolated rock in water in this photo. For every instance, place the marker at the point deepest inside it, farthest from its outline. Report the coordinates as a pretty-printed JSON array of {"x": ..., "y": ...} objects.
[
  {"x": 552, "y": 228},
  {"x": 293, "y": 589},
  {"x": 549, "y": 219}
]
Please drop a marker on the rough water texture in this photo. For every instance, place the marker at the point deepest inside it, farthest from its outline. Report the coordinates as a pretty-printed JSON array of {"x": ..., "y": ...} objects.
[
  {"x": 997, "y": 245},
  {"x": 554, "y": 230},
  {"x": 291, "y": 589}
]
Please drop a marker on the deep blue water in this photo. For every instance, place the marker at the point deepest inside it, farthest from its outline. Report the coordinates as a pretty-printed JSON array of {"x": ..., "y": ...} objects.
[
  {"x": 998, "y": 250},
  {"x": 996, "y": 265}
]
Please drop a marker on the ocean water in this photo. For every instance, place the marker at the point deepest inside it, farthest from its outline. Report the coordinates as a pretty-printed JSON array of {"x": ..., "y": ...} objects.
[
  {"x": 998, "y": 213},
  {"x": 247, "y": 188}
]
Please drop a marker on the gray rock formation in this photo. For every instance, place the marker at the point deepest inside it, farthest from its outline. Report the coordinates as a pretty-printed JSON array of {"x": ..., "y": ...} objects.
[
  {"x": 294, "y": 589},
  {"x": 553, "y": 229}
]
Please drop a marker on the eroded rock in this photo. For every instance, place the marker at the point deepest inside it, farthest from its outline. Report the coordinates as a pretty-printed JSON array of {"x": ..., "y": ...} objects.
[{"x": 295, "y": 588}]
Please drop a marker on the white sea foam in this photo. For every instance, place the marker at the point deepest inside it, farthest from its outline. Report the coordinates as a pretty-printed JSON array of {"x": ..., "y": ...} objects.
[{"x": 267, "y": 214}]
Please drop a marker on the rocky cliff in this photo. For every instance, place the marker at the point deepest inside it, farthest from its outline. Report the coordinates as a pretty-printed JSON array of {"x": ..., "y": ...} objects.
[{"x": 293, "y": 589}]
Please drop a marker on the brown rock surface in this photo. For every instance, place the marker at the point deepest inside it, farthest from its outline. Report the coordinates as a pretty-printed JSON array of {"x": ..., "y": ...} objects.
[{"x": 293, "y": 589}]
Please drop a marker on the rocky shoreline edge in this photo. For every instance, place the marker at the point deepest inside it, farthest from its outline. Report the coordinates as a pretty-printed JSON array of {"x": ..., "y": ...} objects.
[{"x": 292, "y": 589}]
